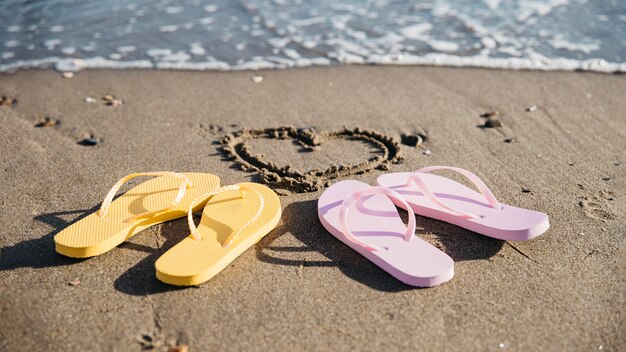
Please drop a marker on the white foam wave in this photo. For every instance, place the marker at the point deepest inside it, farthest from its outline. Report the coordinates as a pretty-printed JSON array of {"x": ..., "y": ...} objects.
[
  {"x": 178, "y": 61},
  {"x": 172, "y": 10},
  {"x": 539, "y": 8},
  {"x": 168, "y": 28},
  {"x": 492, "y": 4},
  {"x": 52, "y": 43},
  {"x": 126, "y": 48},
  {"x": 70, "y": 50},
  {"x": 444, "y": 46},
  {"x": 416, "y": 31},
  {"x": 560, "y": 43},
  {"x": 256, "y": 34},
  {"x": 197, "y": 49}
]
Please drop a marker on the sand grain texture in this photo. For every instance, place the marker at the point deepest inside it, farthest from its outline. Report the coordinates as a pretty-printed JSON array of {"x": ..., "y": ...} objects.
[{"x": 300, "y": 288}]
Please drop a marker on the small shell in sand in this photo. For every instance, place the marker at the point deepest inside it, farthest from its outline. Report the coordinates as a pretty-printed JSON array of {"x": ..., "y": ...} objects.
[
  {"x": 111, "y": 100},
  {"x": 115, "y": 103}
]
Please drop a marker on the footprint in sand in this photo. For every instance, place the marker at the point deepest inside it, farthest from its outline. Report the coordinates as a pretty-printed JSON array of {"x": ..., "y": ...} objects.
[
  {"x": 596, "y": 206},
  {"x": 237, "y": 147}
]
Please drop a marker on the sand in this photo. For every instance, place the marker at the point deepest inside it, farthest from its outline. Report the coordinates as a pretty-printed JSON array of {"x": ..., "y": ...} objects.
[
  {"x": 300, "y": 288},
  {"x": 237, "y": 147}
]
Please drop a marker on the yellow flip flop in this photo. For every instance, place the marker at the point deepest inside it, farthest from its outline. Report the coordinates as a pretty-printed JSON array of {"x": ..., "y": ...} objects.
[
  {"x": 160, "y": 199},
  {"x": 234, "y": 219}
]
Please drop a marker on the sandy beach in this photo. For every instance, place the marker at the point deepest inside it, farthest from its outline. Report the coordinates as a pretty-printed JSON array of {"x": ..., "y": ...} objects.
[{"x": 559, "y": 150}]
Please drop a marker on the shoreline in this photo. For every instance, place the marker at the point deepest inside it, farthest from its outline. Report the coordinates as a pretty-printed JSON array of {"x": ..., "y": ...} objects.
[{"x": 542, "y": 64}]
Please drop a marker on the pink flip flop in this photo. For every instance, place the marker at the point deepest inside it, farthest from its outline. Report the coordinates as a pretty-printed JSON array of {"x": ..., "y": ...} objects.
[
  {"x": 365, "y": 219},
  {"x": 443, "y": 199}
]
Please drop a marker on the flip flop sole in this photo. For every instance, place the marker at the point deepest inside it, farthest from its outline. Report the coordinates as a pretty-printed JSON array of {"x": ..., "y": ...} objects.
[
  {"x": 508, "y": 223},
  {"x": 95, "y": 235},
  {"x": 192, "y": 262},
  {"x": 375, "y": 221}
]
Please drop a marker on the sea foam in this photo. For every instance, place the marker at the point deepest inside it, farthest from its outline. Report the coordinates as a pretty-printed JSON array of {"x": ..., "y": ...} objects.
[{"x": 257, "y": 34}]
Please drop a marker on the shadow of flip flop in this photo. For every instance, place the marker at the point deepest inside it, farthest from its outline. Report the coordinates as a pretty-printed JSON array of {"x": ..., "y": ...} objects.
[
  {"x": 40, "y": 252},
  {"x": 141, "y": 278},
  {"x": 300, "y": 219}
]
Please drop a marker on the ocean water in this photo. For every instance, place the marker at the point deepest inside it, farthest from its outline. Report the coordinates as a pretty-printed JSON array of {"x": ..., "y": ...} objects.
[{"x": 70, "y": 35}]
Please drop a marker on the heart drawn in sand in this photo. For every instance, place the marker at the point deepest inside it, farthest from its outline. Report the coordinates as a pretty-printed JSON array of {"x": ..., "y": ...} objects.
[{"x": 236, "y": 148}]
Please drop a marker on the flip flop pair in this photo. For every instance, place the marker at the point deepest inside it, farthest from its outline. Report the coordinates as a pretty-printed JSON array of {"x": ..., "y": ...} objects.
[
  {"x": 234, "y": 218},
  {"x": 366, "y": 219}
]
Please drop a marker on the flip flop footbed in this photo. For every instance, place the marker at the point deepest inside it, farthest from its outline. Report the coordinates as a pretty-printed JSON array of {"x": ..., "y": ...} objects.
[
  {"x": 192, "y": 262},
  {"x": 375, "y": 221},
  {"x": 508, "y": 223},
  {"x": 94, "y": 235}
]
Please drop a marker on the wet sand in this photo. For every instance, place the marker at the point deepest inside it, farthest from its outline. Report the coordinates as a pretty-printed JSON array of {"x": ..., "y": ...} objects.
[{"x": 300, "y": 288}]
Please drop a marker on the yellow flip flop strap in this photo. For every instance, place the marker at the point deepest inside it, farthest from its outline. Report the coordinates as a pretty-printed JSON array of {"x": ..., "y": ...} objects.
[
  {"x": 185, "y": 182},
  {"x": 194, "y": 230}
]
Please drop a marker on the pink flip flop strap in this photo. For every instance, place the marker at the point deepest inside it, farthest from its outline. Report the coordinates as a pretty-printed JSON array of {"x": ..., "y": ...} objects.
[
  {"x": 484, "y": 190},
  {"x": 350, "y": 200}
]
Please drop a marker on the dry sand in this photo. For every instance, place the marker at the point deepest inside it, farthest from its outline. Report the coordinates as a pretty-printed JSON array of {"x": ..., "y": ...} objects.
[{"x": 300, "y": 288}]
